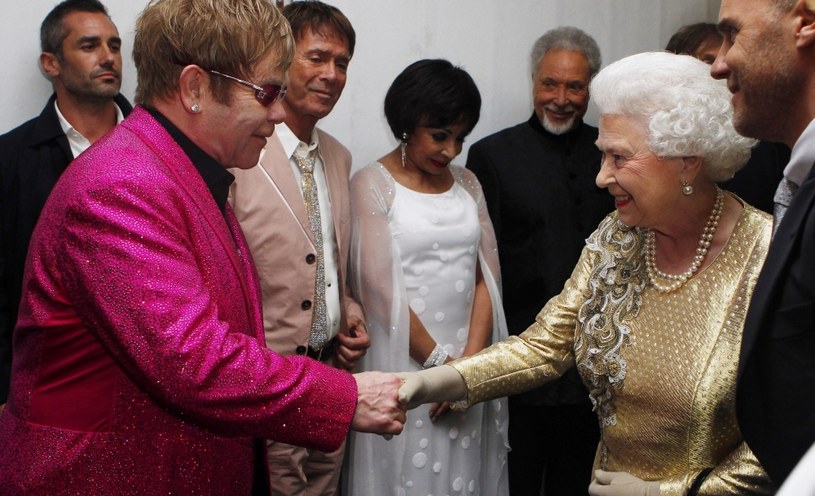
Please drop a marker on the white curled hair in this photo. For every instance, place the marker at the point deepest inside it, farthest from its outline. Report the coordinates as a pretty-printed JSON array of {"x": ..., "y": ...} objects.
[{"x": 689, "y": 114}]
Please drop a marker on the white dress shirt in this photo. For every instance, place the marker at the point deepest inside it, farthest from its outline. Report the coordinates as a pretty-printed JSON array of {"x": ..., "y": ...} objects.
[
  {"x": 78, "y": 142},
  {"x": 291, "y": 144}
]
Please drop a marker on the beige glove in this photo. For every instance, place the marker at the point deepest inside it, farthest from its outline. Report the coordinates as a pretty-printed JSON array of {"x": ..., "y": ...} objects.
[
  {"x": 432, "y": 385},
  {"x": 620, "y": 484}
]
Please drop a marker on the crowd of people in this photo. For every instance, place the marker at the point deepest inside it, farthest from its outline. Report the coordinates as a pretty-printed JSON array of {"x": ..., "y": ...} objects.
[{"x": 198, "y": 296}]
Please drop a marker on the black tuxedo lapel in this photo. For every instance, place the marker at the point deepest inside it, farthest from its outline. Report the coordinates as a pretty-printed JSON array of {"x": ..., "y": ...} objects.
[{"x": 772, "y": 276}]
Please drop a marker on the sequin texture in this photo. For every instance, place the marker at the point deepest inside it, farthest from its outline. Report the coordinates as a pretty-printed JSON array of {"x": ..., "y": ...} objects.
[
  {"x": 140, "y": 366},
  {"x": 661, "y": 368}
]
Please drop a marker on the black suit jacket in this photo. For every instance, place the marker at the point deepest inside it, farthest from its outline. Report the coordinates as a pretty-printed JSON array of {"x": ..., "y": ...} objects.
[
  {"x": 776, "y": 392},
  {"x": 32, "y": 157},
  {"x": 543, "y": 202}
]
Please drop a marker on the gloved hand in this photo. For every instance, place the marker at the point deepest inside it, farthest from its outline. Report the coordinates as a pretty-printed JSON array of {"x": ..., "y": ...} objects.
[
  {"x": 436, "y": 384},
  {"x": 621, "y": 484}
]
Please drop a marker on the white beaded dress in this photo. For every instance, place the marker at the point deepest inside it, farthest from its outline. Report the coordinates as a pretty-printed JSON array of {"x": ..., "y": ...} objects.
[{"x": 420, "y": 250}]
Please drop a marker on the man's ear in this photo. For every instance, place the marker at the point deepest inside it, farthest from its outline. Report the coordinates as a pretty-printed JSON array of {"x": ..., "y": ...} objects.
[
  {"x": 50, "y": 64},
  {"x": 804, "y": 12},
  {"x": 190, "y": 88}
]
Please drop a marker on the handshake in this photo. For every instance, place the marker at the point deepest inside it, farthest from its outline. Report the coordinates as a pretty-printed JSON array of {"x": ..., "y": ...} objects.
[{"x": 384, "y": 399}]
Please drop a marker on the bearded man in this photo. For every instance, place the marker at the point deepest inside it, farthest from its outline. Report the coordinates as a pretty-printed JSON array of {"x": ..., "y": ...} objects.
[{"x": 539, "y": 183}]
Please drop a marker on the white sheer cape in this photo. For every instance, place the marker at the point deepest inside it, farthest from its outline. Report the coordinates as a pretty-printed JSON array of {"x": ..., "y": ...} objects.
[{"x": 377, "y": 282}]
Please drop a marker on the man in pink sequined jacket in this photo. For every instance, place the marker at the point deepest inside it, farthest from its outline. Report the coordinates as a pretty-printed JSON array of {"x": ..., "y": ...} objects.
[{"x": 139, "y": 358}]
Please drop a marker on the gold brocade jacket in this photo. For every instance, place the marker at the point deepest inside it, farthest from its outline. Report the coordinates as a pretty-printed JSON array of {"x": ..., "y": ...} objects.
[{"x": 660, "y": 368}]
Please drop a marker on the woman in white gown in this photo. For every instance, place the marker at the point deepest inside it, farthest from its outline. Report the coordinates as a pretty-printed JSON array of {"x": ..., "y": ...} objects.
[{"x": 425, "y": 268}]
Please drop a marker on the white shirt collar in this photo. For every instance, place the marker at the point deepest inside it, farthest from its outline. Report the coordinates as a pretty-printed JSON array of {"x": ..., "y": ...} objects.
[
  {"x": 78, "y": 142},
  {"x": 802, "y": 157},
  {"x": 291, "y": 142}
]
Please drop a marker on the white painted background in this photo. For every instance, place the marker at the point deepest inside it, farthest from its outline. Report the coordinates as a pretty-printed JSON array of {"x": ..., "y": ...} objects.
[{"x": 489, "y": 38}]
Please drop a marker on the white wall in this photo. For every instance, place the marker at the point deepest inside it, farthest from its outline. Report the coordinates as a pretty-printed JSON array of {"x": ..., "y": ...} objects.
[{"x": 489, "y": 38}]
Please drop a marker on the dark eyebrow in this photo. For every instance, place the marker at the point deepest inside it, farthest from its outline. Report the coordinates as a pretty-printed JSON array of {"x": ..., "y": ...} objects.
[
  {"x": 93, "y": 39},
  {"x": 321, "y": 52},
  {"x": 725, "y": 25},
  {"x": 563, "y": 81},
  {"x": 97, "y": 39},
  {"x": 317, "y": 51}
]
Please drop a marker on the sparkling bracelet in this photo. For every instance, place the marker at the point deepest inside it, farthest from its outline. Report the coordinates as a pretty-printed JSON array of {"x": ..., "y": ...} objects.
[{"x": 436, "y": 357}]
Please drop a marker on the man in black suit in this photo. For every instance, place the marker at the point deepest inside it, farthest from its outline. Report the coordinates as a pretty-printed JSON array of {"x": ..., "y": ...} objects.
[
  {"x": 768, "y": 59},
  {"x": 539, "y": 183},
  {"x": 81, "y": 56}
]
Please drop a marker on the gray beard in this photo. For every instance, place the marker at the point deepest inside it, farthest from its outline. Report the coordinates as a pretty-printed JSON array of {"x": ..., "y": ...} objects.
[{"x": 555, "y": 128}]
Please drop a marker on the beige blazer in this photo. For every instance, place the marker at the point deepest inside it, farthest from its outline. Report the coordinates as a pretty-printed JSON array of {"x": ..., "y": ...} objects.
[{"x": 269, "y": 206}]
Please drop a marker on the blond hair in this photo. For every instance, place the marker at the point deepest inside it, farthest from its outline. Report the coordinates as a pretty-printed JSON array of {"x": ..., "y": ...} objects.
[{"x": 230, "y": 36}]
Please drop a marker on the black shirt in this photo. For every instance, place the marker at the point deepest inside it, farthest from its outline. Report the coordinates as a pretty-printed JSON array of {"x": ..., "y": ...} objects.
[{"x": 215, "y": 175}]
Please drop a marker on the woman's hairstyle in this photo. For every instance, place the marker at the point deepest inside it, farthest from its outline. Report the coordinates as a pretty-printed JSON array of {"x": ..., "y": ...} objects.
[
  {"x": 689, "y": 39},
  {"x": 688, "y": 113},
  {"x": 52, "y": 31},
  {"x": 566, "y": 38},
  {"x": 229, "y": 36},
  {"x": 432, "y": 92},
  {"x": 318, "y": 17}
]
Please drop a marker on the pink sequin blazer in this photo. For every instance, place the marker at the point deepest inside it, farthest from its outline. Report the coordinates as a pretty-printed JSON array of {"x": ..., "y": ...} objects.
[{"x": 139, "y": 361}]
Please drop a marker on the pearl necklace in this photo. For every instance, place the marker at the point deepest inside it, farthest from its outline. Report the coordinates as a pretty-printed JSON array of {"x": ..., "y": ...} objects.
[{"x": 677, "y": 280}]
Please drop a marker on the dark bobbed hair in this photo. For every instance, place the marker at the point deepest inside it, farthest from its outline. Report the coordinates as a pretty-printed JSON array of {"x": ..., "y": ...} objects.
[
  {"x": 690, "y": 38},
  {"x": 318, "y": 16},
  {"x": 52, "y": 32},
  {"x": 432, "y": 92}
]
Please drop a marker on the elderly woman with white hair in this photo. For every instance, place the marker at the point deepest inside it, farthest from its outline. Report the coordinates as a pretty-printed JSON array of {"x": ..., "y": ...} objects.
[{"x": 653, "y": 312}]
